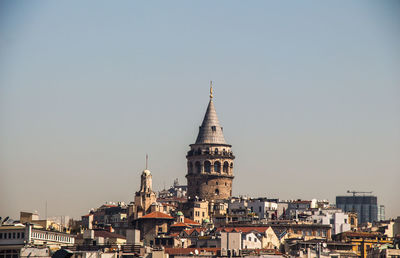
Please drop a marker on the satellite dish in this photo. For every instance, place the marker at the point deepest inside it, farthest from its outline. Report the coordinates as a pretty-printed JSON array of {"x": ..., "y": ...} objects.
[
  {"x": 324, "y": 245},
  {"x": 196, "y": 252}
]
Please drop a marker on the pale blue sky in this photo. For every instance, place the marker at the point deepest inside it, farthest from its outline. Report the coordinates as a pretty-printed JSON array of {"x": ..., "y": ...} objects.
[{"x": 307, "y": 92}]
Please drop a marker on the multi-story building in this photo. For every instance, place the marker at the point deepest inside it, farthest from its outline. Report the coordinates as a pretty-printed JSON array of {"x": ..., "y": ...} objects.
[
  {"x": 334, "y": 217},
  {"x": 366, "y": 207},
  {"x": 381, "y": 212},
  {"x": 363, "y": 241},
  {"x": 196, "y": 210},
  {"x": 263, "y": 208},
  {"x": 14, "y": 237}
]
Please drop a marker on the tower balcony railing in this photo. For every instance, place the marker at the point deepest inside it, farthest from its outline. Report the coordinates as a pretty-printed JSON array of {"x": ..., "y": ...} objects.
[{"x": 211, "y": 155}]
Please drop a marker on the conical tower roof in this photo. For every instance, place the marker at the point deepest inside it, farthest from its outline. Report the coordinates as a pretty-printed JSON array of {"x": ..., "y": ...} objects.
[{"x": 210, "y": 131}]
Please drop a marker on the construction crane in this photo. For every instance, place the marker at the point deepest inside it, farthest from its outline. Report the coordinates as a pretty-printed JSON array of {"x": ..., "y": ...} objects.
[{"x": 358, "y": 192}]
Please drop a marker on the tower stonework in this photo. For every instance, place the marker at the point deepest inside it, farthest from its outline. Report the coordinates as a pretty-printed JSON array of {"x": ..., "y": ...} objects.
[
  {"x": 210, "y": 161},
  {"x": 145, "y": 196}
]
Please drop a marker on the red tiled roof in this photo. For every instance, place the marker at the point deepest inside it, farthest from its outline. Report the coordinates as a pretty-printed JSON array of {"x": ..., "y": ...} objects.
[
  {"x": 190, "y": 231},
  {"x": 243, "y": 229},
  {"x": 191, "y": 222},
  {"x": 174, "y": 234},
  {"x": 186, "y": 251},
  {"x": 156, "y": 215},
  {"x": 180, "y": 224}
]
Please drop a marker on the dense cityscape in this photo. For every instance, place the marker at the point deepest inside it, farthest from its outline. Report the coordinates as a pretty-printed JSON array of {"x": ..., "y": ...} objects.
[{"x": 203, "y": 219}]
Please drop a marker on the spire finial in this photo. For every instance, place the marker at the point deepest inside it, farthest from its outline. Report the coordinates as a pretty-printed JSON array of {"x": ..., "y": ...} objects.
[
  {"x": 211, "y": 89},
  {"x": 147, "y": 161}
]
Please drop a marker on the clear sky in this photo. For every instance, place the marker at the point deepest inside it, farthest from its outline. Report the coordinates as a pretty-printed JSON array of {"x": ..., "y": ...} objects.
[{"x": 308, "y": 93}]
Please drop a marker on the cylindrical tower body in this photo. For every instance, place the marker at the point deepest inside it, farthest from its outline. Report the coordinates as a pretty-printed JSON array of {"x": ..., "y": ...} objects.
[{"x": 210, "y": 171}]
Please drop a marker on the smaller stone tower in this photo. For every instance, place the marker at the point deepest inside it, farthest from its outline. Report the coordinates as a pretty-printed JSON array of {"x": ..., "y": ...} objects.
[{"x": 146, "y": 196}]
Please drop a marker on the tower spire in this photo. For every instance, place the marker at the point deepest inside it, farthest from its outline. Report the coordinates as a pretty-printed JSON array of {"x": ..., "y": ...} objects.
[
  {"x": 147, "y": 161},
  {"x": 211, "y": 89}
]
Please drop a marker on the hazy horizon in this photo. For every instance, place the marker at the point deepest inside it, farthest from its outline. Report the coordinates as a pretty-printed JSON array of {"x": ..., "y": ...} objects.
[{"x": 307, "y": 93}]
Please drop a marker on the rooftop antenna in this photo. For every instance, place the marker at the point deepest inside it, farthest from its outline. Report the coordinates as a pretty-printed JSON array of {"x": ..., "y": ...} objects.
[
  {"x": 147, "y": 161},
  {"x": 211, "y": 89},
  {"x": 45, "y": 214}
]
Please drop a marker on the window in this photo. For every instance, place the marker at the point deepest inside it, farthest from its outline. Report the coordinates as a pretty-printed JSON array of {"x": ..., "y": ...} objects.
[
  {"x": 18, "y": 235},
  {"x": 249, "y": 238},
  {"x": 213, "y": 128},
  {"x": 216, "y": 192},
  {"x": 217, "y": 166},
  {"x": 1, "y": 235},
  {"x": 190, "y": 165},
  {"x": 203, "y": 214},
  {"x": 226, "y": 167},
  {"x": 198, "y": 167},
  {"x": 216, "y": 151},
  {"x": 259, "y": 208},
  {"x": 207, "y": 166}
]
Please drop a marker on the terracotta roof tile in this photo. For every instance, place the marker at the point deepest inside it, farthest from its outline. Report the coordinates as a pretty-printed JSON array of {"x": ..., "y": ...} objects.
[
  {"x": 191, "y": 222},
  {"x": 156, "y": 215},
  {"x": 190, "y": 231},
  {"x": 180, "y": 224}
]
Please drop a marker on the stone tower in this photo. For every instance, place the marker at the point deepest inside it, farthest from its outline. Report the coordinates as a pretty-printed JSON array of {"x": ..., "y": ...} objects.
[
  {"x": 145, "y": 196},
  {"x": 210, "y": 160}
]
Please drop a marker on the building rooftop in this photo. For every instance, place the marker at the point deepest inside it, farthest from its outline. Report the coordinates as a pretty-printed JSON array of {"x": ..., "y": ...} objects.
[{"x": 156, "y": 215}]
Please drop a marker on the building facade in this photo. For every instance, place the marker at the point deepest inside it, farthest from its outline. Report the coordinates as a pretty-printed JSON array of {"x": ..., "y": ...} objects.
[
  {"x": 14, "y": 238},
  {"x": 210, "y": 161},
  {"x": 366, "y": 207}
]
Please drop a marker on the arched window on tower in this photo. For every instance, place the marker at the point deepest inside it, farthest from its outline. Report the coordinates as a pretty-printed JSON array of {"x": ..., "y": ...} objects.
[
  {"x": 216, "y": 191},
  {"x": 198, "y": 167},
  {"x": 207, "y": 166},
  {"x": 226, "y": 167},
  {"x": 217, "y": 166},
  {"x": 190, "y": 167},
  {"x": 231, "y": 167},
  {"x": 216, "y": 151},
  {"x": 198, "y": 151}
]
